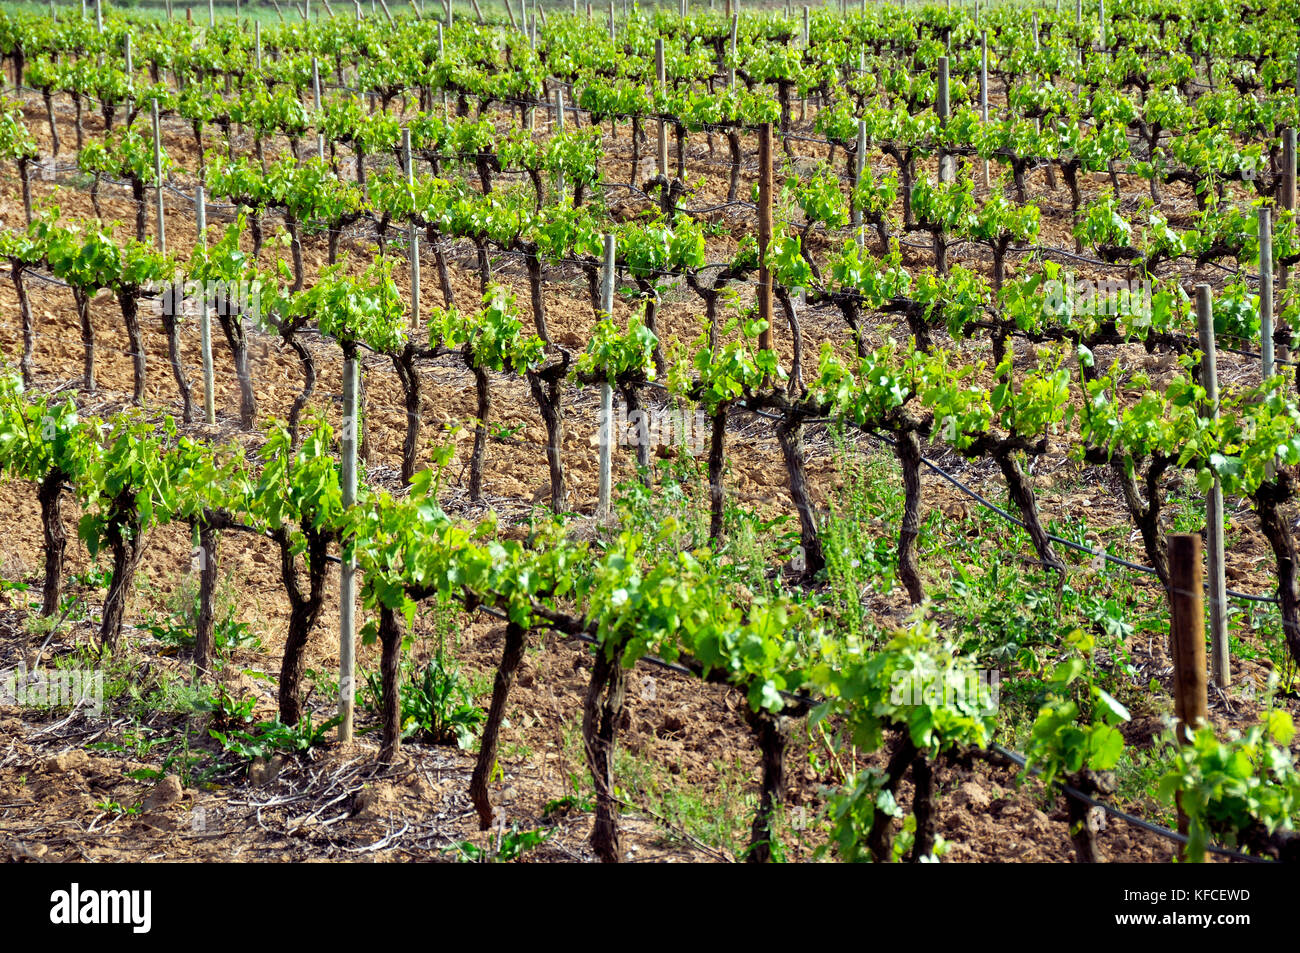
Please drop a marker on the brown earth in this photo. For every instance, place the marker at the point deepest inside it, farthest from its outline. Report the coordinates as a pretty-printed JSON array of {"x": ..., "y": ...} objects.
[{"x": 55, "y": 793}]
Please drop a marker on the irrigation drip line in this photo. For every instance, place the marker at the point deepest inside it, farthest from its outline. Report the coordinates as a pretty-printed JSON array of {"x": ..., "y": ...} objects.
[
  {"x": 1148, "y": 826},
  {"x": 981, "y": 500},
  {"x": 1014, "y": 756}
]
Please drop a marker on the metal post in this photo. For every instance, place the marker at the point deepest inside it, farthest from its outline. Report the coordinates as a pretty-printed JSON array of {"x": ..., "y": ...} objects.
[
  {"x": 205, "y": 315},
  {"x": 1213, "y": 500},
  {"x": 660, "y": 83},
  {"x": 764, "y": 292},
  {"x": 158, "y": 179},
  {"x": 559, "y": 128},
  {"x": 731, "y": 71},
  {"x": 412, "y": 232},
  {"x": 1266, "y": 292},
  {"x": 946, "y": 162},
  {"x": 606, "y": 392},
  {"x": 347, "y": 574},
  {"x": 859, "y": 164},
  {"x": 984, "y": 90}
]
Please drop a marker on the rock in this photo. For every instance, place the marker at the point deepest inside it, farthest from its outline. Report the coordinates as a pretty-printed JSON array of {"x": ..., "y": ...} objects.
[
  {"x": 165, "y": 793},
  {"x": 971, "y": 796},
  {"x": 67, "y": 762}
]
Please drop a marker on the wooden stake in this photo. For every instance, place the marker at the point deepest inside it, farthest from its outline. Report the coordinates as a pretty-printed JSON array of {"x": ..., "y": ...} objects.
[
  {"x": 1213, "y": 500},
  {"x": 1187, "y": 631}
]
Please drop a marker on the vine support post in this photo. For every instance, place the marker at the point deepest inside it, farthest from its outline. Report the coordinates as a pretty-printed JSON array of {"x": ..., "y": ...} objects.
[
  {"x": 1213, "y": 500},
  {"x": 212, "y": 14},
  {"x": 315, "y": 95},
  {"x": 1187, "y": 630},
  {"x": 1288, "y": 188},
  {"x": 611, "y": 21},
  {"x": 128, "y": 65},
  {"x": 1186, "y": 641},
  {"x": 807, "y": 35},
  {"x": 984, "y": 90},
  {"x": 860, "y": 164},
  {"x": 1101, "y": 22},
  {"x": 205, "y": 315},
  {"x": 764, "y": 233},
  {"x": 661, "y": 154},
  {"x": 559, "y": 128},
  {"x": 157, "y": 172},
  {"x": 1266, "y": 292},
  {"x": 442, "y": 55},
  {"x": 606, "y": 393},
  {"x": 99, "y": 16},
  {"x": 348, "y": 568},
  {"x": 735, "y": 26},
  {"x": 941, "y": 107},
  {"x": 257, "y": 40},
  {"x": 412, "y": 231}
]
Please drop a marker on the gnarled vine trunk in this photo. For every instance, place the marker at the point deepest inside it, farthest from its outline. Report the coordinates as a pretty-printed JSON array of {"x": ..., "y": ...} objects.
[
  {"x": 511, "y": 656},
  {"x": 50, "y": 494},
  {"x": 601, "y": 711}
]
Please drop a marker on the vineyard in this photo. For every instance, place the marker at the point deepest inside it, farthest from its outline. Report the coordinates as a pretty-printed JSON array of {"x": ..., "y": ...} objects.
[{"x": 697, "y": 433}]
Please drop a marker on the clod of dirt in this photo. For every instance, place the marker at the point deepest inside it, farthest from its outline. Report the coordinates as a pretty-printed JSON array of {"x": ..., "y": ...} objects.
[
  {"x": 165, "y": 793},
  {"x": 264, "y": 771},
  {"x": 971, "y": 796},
  {"x": 375, "y": 801},
  {"x": 67, "y": 762}
]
